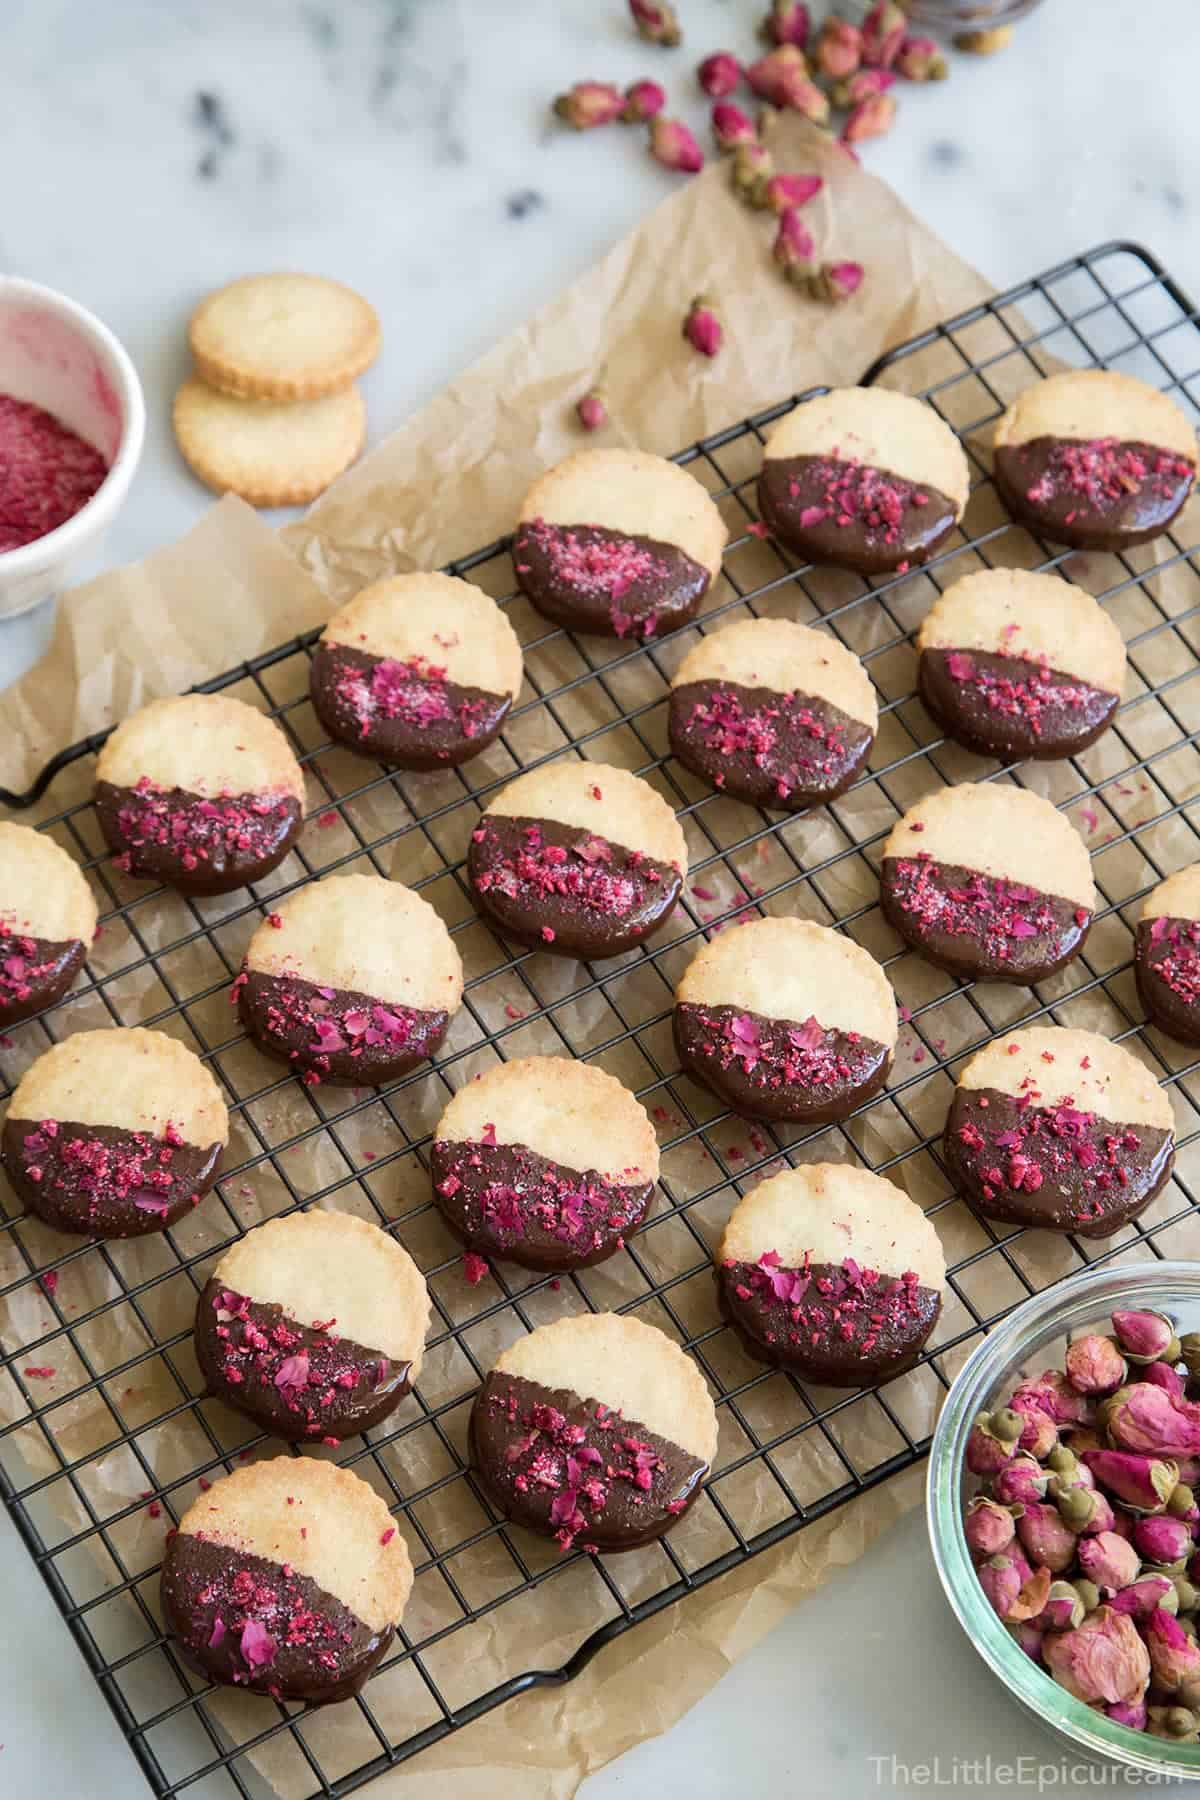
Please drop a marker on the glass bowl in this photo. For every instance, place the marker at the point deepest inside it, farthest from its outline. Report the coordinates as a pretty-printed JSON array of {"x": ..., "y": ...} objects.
[{"x": 1032, "y": 1338}]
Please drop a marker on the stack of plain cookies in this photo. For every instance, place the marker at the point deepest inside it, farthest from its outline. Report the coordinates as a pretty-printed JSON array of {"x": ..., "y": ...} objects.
[{"x": 271, "y": 411}]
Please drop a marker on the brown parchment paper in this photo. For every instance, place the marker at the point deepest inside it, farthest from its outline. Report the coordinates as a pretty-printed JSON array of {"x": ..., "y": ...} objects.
[{"x": 442, "y": 485}]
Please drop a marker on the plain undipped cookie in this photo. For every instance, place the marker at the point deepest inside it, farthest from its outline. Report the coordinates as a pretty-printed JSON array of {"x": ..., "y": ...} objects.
[
  {"x": 352, "y": 980},
  {"x": 283, "y": 337},
  {"x": 200, "y": 791},
  {"x": 1094, "y": 459},
  {"x": 420, "y": 670},
  {"x": 1166, "y": 955},
  {"x": 1014, "y": 664},
  {"x": 988, "y": 880},
  {"x": 114, "y": 1133},
  {"x": 578, "y": 858},
  {"x": 47, "y": 922},
  {"x": 271, "y": 452},
  {"x": 618, "y": 542},
  {"x": 773, "y": 713},
  {"x": 864, "y": 478},
  {"x": 287, "y": 1577},
  {"x": 1061, "y": 1129},
  {"x": 595, "y": 1429},
  {"x": 313, "y": 1325},
  {"x": 784, "y": 1019},
  {"x": 833, "y": 1272},
  {"x": 544, "y": 1161}
]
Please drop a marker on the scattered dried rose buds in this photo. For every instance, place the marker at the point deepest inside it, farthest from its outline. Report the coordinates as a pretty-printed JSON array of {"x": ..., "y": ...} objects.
[
  {"x": 779, "y": 192},
  {"x": 719, "y": 74},
  {"x": 752, "y": 166},
  {"x": 871, "y": 118},
  {"x": 919, "y": 59},
  {"x": 773, "y": 75},
  {"x": 592, "y": 411},
  {"x": 702, "y": 327},
  {"x": 862, "y": 86},
  {"x": 884, "y": 30},
  {"x": 787, "y": 23},
  {"x": 795, "y": 251},
  {"x": 835, "y": 281},
  {"x": 838, "y": 50},
  {"x": 731, "y": 127},
  {"x": 643, "y": 101},
  {"x": 656, "y": 22},
  {"x": 674, "y": 145},
  {"x": 590, "y": 103}
]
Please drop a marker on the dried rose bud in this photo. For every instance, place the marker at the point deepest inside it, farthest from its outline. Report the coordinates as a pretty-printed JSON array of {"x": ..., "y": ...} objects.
[
  {"x": 656, "y": 22},
  {"x": 719, "y": 74},
  {"x": 1045, "y": 1538},
  {"x": 590, "y": 103},
  {"x": 1182, "y": 1505},
  {"x": 1001, "y": 1579},
  {"x": 839, "y": 48},
  {"x": 872, "y": 118},
  {"x": 1078, "y": 1508},
  {"x": 832, "y": 282},
  {"x": 984, "y": 43},
  {"x": 988, "y": 1528},
  {"x": 1143, "y": 1596},
  {"x": 1147, "y": 1418},
  {"x": 1144, "y": 1336},
  {"x": 731, "y": 127},
  {"x": 1144, "y": 1483},
  {"x": 1078, "y": 1477},
  {"x": 773, "y": 76},
  {"x": 1103, "y": 1659},
  {"x": 863, "y": 86},
  {"x": 794, "y": 251},
  {"x": 1063, "y": 1609},
  {"x": 1019, "y": 1482},
  {"x": 783, "y": 191},
  {"x": 787, "y": 23},
  {"x": 1088, "y": 1593},
  {"x": 1063, "y": 1461},
  {"x": 750, "y": 170},
  {"x": 1174, "y": 1657},
  {"x": 643, "y": 101},
  {"x": 1109, "y": 1560},
  {"x": 810, "y": 101},
  {"x": 1029, "y": 1638},
  {"x": 1054, "y": 1394},
  {"x": 1039, "y": 1434},
  {"x": 1162, "y": 1539},
  {"x": 883, "y": 32},
  {"x": 919, "y": 59},
  {"x": 1103, "y": 1518},
  {"x": 1129, "y": 1712},
  {"x": 592, "y": 411},
  {"x": 1174, "y": 1722},
  {"x": 1162, "y": 1375},
  {"x": 1095, "y": 1365},
  {"x": 674, "y": 146},
  {"x": 702, "y": 327}
]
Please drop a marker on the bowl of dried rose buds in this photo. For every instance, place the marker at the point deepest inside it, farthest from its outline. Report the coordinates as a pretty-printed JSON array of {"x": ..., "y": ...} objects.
[{"x": 1064, "y": 1510}]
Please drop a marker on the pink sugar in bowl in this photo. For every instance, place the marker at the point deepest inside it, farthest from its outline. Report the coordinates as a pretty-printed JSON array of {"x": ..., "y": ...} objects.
[{"x": 72, "y": 424}]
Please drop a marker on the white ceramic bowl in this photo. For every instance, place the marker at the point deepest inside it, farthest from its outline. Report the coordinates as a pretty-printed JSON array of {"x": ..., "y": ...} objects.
[{"x": 56, "y": 354}]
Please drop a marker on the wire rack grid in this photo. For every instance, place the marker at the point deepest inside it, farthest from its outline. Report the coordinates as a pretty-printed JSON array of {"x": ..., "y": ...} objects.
[{"x": 106, "y": 1435}]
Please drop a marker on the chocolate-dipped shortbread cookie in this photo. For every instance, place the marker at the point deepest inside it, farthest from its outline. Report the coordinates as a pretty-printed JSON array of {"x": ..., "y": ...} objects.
[
  {"x": 1061, "y": 1129},
  {"x": 353, "y": 981},
  {"x": 618, "y": 542},
  {"x": 773, "y": 713},
  {"x": 864, "y": 478},
  {"x": 199, "y": 791},
  {"x": 47, "y": 922},
  {"x": 596, "y": 1430},
  {"x": 114, "y": 1133},
  {"x": 833, "y": 1272},
  {"x": 419, "y": 670},
  {"x": 577, "y": 858},
  {"x": 1166, "y": 955},
  {"x": 1017, "y": 664},
  {"x": 988, "y": 880},
  {"x": 313, "y": 1325},
  {"x": 287, "y": 1577},
  {"x": 1094, "y": 459},
  {"x": 784, "y": 1019}
]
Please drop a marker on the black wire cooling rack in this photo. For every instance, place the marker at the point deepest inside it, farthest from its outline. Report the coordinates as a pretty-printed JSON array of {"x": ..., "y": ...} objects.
[{"x": 105, "y": 1433}]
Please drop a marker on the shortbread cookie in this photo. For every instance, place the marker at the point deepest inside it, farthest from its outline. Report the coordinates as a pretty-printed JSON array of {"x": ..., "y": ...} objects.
[
  {"x": 618, "y": 542},
  {"x": 353, "y": 981},
  {"x": 283, "y": 337},
  {"x": 420, "y": 670},
  {"x": 1094, "y": 459},
  {"x": 1166, "y": 955},
  {"x": 1061, "y": 1129},
  {"x": 1017, "y": 664},
  {"x": 545, "y": 1162},
  {"x": 784, "y": 1019},
  {"x": 313, "y": 1325},
  {"x": 595, "y": 1430},
  {"x": 199, "y": 791},
  {"x": 47, "y": 922},
  {"x": 114, "y": 1133},
  {"x": 271, "y": 452},
  {"x": 831, "y": 1271},
  {"x": 578, "y": 858},
  {"x": 864, "y": 478},
  {"x": 988, "y": 880},
  {"x": 289, "y": 1578},
  {"x": 773, "y": 713}
]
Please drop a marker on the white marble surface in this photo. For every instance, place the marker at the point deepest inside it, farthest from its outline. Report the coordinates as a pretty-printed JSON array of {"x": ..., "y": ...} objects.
[{"x": 403, "y": 145}]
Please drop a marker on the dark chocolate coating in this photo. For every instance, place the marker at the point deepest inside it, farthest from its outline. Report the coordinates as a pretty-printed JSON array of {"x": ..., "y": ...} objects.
[
  {"x": 569, "y": 1468},
  {"x": 1104, "y": 495},
  {"x": 1008, "y": 707},
  {"x": 1166, "y": 964},
  {"x": 613, "y": 583},
  {"x": 980, "y": 925},
  {"x": 595, "y": 900},
  {"x": 102, "y": 1180},
  {"x": 34, "y": 973},
  {"x": 505, "y": 1200},
  {"x": 835, "y": 1323},
  {"x": 1055, "y": 1167},
  {"x": 318, "y": 1649},
  {"x": 852, "y": 514},
  {"x": 771, "y": 749},
  {"x": 328, "y": 1032},
  {"x": 331, "y": 1386},
  {"x": 197, "y": 845},
  {"x": 778, "y": 1068},
  {"x": 414, "y": 719}
]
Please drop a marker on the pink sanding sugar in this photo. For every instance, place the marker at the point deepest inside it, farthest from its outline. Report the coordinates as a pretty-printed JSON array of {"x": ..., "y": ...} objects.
[{"x": 47, "y": 472}]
